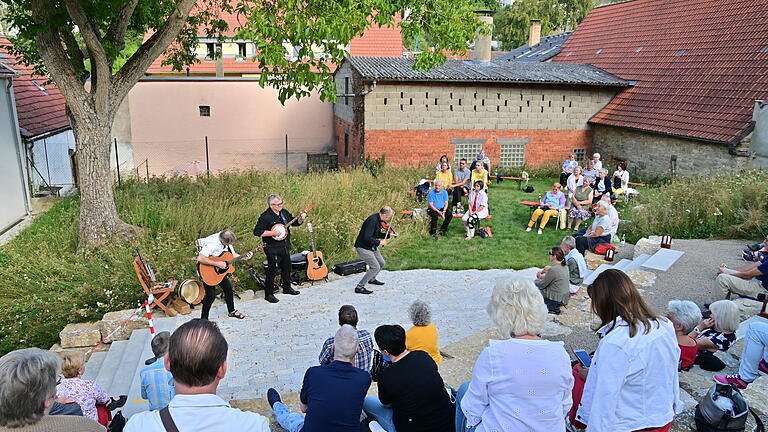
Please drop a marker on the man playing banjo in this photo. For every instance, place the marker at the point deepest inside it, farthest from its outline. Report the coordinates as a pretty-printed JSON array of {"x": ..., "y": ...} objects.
[{"x": 272, "y": 227}]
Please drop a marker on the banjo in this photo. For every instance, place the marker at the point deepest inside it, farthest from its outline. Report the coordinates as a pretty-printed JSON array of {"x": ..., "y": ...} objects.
[{"x": 282, "y": 229}]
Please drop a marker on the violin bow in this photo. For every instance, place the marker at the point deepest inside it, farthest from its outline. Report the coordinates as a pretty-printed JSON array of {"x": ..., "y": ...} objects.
[{"x": 390, "y": 229}]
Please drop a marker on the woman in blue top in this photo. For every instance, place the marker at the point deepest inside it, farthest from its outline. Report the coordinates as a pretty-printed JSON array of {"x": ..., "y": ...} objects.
[
  {"x": 550, "y": 205},
  {"x": 568, "y": 167}
]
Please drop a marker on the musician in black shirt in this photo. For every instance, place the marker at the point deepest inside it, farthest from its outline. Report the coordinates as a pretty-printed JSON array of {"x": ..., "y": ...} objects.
[
  {"x": 372, "y": 235},
  {"x": 278, "y": 251}
]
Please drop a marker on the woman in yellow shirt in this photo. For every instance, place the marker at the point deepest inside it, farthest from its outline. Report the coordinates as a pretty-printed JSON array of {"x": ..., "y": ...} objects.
[
  {"x": 480, "y": 174},
  {"x": 423, "y": 335},
  {"x": 445, "y": 175}
]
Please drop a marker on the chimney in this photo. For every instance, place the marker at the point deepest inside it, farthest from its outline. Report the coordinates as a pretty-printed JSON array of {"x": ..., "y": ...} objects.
[
  {"x": 482, "y": 50},
  {"x": 534, "y": 37}
]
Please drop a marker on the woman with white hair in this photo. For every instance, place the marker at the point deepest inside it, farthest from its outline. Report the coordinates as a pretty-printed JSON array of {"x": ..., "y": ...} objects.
[
  {"x": 602, "y": 185},
  {"x": 522, "y": 382},
  {"x": 684, "y": 315},
  {"x": 598, "y": 232},
  {"x": 28, "y": 379},
  {"x": 596, "y": 161},
  {"x": 716, "y": 333},
  {"x": 423, "y": 335}
]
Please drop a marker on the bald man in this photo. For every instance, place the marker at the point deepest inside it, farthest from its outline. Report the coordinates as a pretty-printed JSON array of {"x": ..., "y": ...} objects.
[{"x": 369, "y": 239}]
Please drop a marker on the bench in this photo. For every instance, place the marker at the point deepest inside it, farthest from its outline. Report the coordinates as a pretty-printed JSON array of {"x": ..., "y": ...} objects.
[
  {"x": 519, "y": 180},
  {"x": 159, "y": 290},
  {"x": 410, "y": 213}
]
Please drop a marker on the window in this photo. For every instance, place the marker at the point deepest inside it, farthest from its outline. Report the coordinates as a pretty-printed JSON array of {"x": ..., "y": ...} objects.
[
  {"x": 346, "y": 90},
  {"x": 512, "y": 152},
  {"x": 467, "y": 148},
  {"x": 242, "y": 49},
  {"x": 205, "y": 110},
  {"x": 346, "y": 144},
  {"x": 212, "y": 50},
  {"x": 581, "y": 154},
  {"x": 679, "y": 53}
]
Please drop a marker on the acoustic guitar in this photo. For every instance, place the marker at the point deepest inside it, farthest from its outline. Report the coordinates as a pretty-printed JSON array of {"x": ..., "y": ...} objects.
[
  {"x": 212, "y": 275},
  {"x": 282, "y": 229},
  {"x": 316, "y": 268}
]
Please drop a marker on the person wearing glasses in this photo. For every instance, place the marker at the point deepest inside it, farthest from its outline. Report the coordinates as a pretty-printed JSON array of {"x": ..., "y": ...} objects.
[
  {"x": 214, "y": 246},
  {"x": 278, "y": 251}
]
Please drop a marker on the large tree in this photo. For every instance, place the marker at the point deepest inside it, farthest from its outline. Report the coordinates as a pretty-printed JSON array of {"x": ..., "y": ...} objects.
[
  {"x": 75, "y": 42},
  {"x": 512, "y": 23}
]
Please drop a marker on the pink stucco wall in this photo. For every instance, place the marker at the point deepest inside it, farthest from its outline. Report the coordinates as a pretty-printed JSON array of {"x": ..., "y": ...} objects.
[{"x": 246, "y": 129}]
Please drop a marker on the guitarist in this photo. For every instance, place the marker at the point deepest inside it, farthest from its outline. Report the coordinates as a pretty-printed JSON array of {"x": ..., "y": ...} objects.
[
  {"x": 212, "y": 246},
  {"x": 367, "y": 245},
  {"x": 278, "y": 251}
]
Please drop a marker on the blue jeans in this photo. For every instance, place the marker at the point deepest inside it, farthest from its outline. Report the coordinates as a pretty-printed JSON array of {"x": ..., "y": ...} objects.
[
  {"x": 755, "y": 349},
  {"x": 292, "y": 422},
  {"x": 383, "y": 415},
  {"x": 461, "y": 421}
]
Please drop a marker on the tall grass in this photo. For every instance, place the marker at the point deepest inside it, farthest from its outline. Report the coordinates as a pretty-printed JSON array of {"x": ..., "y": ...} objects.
[{"x": 732, "y": 205}]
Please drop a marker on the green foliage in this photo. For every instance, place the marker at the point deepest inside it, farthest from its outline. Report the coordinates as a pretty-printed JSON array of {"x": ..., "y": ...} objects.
[
  {"x": 374, "y": 165},
  {"x": 702, "y": 207},
  {"x": 513, "y": 22}
]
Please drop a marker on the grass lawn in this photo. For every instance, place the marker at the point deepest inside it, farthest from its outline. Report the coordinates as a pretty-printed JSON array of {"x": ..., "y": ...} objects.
[{"x": 510, "y": 246}]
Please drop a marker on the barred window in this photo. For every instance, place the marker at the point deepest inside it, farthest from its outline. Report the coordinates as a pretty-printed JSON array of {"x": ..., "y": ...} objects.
[
  {"x": 512, "y": 151},
  {"x": 467, "y": 148},
  {"x": 581, "y": 154}
]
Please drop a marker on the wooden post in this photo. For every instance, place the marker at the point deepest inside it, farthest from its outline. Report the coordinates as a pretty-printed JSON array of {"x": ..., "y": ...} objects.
[
  {"x": 207, "y": 161},
  {"x": 117, "y": 163}
]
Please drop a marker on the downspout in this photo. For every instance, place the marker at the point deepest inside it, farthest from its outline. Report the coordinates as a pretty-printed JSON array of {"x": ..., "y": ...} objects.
[{"x": 19, "y": 149}]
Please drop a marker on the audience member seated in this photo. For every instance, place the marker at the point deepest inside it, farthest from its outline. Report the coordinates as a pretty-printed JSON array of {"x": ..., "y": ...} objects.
[
  {"x": 598, "y": 232},
  {"x": 477, "y": 209},
  {"x": 756, "y": 252},
  {"x": 574, "y": 180},
  {"x": 423, "y": 335},
  {"x": 749, "y": 280},
  {"x": 348, "y": 316},
  {"x": 443, "y": 160},
  {"x": 412, "y": 395},
  {"x": 596, "y": 161},
  {"x": 331, "y": 395},
  {"x": 590, "y": 172},
  {"x": 479, "y": 173},
  {"x": 197, "y": 359},
  {"x": 613, "y": 215},
  {"x": 568, "y": 167},
  {"x": 87, "y": 393},
  {"x": 481, "y": 157},
  {"x": 754, "y": 358},
  {"x": 621, "y": 179},
  {"x": 553, "y": 281},
  {"x": 28, "y": 380},
  {"x": 577, "y": 266},
  {"x": 156, "y": 381},
  {"x": 602, "y": 185},
  {"x": 581, "y": 204},
  {"x": 684, "y": 315},
  {"x": 522, "y": 382},
  {"x": 437, "y": 206},
  {"x": 550, "y": 205},
  {"x": 65, "y": 406},
  {"x": 461, "y": 182},
  {"x": 716, "y": 333},
  {"x": 633, "y": 383},
  {"x": 445, "y": 175}
]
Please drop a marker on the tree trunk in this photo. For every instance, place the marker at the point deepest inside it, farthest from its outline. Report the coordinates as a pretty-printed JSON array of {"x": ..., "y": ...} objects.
[{"x": 99, "y": 220}]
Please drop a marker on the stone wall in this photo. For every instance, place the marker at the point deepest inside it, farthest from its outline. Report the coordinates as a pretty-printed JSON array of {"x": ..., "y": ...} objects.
[
  {"x": 649, "y": 154},
  {"x": 349, "y": 147}
]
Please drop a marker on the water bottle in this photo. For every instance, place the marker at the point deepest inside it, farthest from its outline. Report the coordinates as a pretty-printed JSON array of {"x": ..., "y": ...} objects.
[{"x": 623, "y": 239}]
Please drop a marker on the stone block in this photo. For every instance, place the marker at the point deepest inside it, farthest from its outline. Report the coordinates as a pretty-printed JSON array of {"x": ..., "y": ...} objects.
[
  {"x": 112, "y": 320},
  {"x": 648, "y": 246},
  {"x": 181, "y": 306},
  {"x": 80, "y": 335},
  {"x": 247, "y": 295},
  {"x": 594, "y": 260}
]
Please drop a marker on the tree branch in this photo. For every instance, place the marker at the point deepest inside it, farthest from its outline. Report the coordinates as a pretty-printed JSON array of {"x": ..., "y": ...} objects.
[
  {"x": 75, "y": 53},
  {"x": 118, "y": 28},
  {"x": 100, "y": 70},
  {"x": 135, "y": 67}
]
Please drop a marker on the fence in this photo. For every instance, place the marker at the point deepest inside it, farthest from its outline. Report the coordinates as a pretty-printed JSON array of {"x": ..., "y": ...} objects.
[
  {"x": 50, "y": 163},
  {"x": 209, "y": 156}
]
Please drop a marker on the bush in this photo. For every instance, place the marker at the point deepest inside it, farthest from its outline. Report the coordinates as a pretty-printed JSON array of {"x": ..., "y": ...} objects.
[{"x": 731, "y": 205}]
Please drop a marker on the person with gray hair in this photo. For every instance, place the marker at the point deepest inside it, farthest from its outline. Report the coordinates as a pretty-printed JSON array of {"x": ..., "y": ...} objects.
[
  {"x": 521, "y": 360},
  {"x": 684, "y": 315},
  {"x": 216, "y": 245},
  {"x": 28, "y": 379},
  {"x": 577, "y": 266},
  {"x": 438, "y": 206},
  {"x": 331, "y": 395},
  {"x": 716, "y": 333},
  {"x": 372, "y": 235},
  {"x": 598, "y": 232},
  {"x": 423, "y": 335},
  {"x": 278, "y": 251},
  {"x": 157, "y": 385}
]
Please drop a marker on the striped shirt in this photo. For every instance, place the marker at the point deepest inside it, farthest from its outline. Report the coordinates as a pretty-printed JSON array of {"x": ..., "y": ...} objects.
[{"x": 157, "y": 385}]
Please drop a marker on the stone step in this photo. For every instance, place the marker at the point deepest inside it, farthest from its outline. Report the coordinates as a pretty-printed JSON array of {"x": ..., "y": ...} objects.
[
  {"x": 110, "y": 364},
  {"x": 638, "y": 262},
  {"x": 623, "y": 265},
  {"x": 591, "y": 278},
  {"x": 663, "y": 259},
  {"x": 93, "y": 365},
  {"x": 121, "y": 383}
]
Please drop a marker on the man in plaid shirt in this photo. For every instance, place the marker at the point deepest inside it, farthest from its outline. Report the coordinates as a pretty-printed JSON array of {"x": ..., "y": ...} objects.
[{"x": 348, "y": 315}]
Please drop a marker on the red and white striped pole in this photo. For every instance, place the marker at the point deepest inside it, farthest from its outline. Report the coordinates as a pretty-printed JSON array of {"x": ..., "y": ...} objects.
[{"x": 149, "y": 314}]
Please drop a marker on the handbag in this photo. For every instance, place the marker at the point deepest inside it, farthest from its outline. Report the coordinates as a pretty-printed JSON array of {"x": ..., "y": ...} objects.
[
  {"x": 118, "y": 422},
  {"x": 378, "y": 365},
  {"x": 723, "y": 409}
]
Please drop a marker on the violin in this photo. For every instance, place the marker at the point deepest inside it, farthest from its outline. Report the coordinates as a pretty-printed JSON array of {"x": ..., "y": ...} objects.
[{"x": 387, "y": 227}]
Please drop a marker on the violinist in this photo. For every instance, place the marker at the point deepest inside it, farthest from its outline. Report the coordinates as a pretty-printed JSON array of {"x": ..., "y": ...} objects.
[{"x": 374, "y": 233}]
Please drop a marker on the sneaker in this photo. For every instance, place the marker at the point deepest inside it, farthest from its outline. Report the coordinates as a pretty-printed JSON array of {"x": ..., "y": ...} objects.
[
  {"x": 374, "y": 426},
  {"x": 731, "y": 379},
  {"x": 528, "y": 229},
  {"x": 763, "y": 367},
  {"x": 363, "y": 291},
  {"x": 540, "y": 232},
  {"x": 273, "y": 397}
]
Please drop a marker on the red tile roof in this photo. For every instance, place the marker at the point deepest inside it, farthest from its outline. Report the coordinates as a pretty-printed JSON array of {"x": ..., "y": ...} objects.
[
  {"x": 699, "y": 65},
  {"x": 40, "y": 108},
  {"x": 378, "y": 42}
]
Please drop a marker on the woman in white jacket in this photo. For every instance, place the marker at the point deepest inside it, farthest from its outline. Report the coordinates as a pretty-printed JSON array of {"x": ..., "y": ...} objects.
[{"x": 477, "y": 210}]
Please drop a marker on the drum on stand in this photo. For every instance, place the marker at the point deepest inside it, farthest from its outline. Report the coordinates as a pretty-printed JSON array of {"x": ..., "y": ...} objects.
[{"x": 191, "y": 291}]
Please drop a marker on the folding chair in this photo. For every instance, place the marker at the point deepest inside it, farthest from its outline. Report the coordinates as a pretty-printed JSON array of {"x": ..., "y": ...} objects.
[{"x": 159, "y": 290}]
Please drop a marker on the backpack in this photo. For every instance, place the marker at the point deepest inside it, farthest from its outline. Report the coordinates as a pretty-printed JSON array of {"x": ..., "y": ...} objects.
[
  {"x": 724, "y": 409},
  {"x": 529, "y": 189}
]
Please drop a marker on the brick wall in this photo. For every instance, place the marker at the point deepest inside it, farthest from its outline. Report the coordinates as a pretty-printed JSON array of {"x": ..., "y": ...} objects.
[
  {"x": 353, "y": 154},
  {"x": 442, "y": 106},
  {"x": 424, "y": 147},
  {"x": 649, "y": 154}
]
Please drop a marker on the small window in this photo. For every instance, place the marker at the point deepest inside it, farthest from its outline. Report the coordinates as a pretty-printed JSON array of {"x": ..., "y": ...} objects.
[
  {"x": 765, "y": 49},
  {"x": 599, "y": 51},
  {"x": 242, "y": 49},
  {"x": 581, "y": 154},
  {"x": 212, "y": 50},
  {"x": 512, "y": 151},
  {"x": 205, "y": 110},
  {"x": 679, "y": 53},
  {"x": 346, "y": 90},
  {"x": 467, "y": 148},
  {"x": 639, "y": 49},
  {"x": 40, "y": 87},
  {"x": 346, "y": 144}
]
